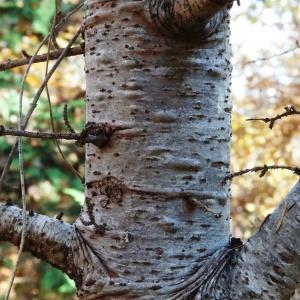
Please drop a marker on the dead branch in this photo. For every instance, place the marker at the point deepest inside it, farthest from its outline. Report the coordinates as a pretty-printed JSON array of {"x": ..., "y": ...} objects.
[
  {"x": 97, "y": 134},
  {"x": 40, "y": 58},
  {"x": 263, "y": 170},
  {"x": 34, "y": 103},
  {"x": 289, "y": 111},
  {"x": 274, "y": 55},
  {"x": 54, "y": 42}
]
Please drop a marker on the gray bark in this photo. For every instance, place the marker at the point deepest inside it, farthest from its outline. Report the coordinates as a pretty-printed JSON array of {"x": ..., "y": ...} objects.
[
  {"x": 155, "y": 222},
  {"x": 46, "y": 238},
  {"x": 157, "y": 206},
  {"x": 268, "y": 266}
]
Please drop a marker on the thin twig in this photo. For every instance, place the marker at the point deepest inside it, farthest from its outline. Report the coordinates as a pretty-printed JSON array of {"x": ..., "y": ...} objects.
[
  {"x": 21, "y": 126},
  {"x": 24, "y": 218},
  {"x": 263, "y": 170},
  {"x": 14, "y": 147},
  {"x": 289, "y": 111},
  {"x": 39, "y": 58},
  {"x": 53, "y": 39},
  {"x": 34, "y": 103},
  {"x": 66, "y": 119},
  {"x": 55, "y": 19},
  {"x": 97, "y": 134},
  {"x": 274, "y": 55},
  {"x": 39, "y": 135}
]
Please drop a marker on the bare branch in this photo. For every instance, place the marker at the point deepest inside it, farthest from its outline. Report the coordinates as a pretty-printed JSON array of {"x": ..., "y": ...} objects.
[
  {"x": 289, "y": 111},
  {"x": 263, "y": 170},
  {"x": 53, "y": 39},
  {"x": 57, "y": 27},
  {"x": 46, "y": 238},
  {"x": 34, "y": 103},
  {"x": 97, "y": 134},
  {"x": 274, "y": 55},
  {"x": 40, "y": 58}
]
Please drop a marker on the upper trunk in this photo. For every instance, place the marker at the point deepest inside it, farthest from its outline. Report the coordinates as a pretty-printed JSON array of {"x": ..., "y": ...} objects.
[{"x": 156, "y": 202}]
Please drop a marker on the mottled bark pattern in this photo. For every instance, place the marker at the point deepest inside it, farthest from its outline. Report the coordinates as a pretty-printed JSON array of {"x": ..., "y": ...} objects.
[
  {"x": 268, "y": 267},
  {"x": 46, "y": 238},
  {"x": 157, "y": 206},
  {"x": 155, "y": 222}
]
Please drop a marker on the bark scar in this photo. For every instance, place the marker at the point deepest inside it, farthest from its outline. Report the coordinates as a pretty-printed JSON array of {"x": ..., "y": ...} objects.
[{"x": 111, "y": 190}]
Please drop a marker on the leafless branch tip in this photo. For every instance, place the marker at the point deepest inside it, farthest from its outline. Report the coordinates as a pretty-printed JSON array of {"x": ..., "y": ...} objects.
[{"x": 289, "y": 111}]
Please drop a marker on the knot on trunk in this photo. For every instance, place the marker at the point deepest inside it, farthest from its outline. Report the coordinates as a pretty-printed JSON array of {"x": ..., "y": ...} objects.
[{"x": 185, "y": 18}]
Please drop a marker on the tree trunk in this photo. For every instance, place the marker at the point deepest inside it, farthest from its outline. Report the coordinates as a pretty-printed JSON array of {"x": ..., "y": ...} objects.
[
  {"x": 156, "y": 202},
  {"x": 155, "y": 223}
]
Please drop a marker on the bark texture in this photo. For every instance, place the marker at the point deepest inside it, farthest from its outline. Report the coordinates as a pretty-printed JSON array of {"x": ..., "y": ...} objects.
[
  {"x": 46, "y": 238},
  {"x": 157, "y": 206},
  {"x": 185, "y": 16},
  {"x": 268, "y": 267},
  {"x": 155, "y": 222}
]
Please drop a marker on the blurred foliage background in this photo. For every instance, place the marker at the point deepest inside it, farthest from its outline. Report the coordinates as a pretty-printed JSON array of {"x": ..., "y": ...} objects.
[{"x": 264, "y": 82}]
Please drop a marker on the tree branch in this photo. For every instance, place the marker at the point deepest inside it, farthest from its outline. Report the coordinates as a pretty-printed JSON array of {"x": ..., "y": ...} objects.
[
  {"x": 274, "y": 55},
  {"x": 263, "y": 170},
  {"x": 40, "y": 58},
  {"x": 289, "y": 111},
  {"x": 97, "y": 134},
  {"x": 270, "y": 260},
  {"x": 35, "y": 101},
  {"x": 46, "y": 238},
  {"x": 188, "y": 15},
  {"x": 36, "y": 98}
]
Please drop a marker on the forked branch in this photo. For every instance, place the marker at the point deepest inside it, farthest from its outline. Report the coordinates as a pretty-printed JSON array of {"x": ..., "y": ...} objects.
[
  {"x": 289, "y": 111},
  {"x": 263, "y": 170}
]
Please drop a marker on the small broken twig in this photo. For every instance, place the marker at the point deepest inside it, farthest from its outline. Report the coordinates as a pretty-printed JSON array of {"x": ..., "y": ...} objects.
[
  {"x": 289, "y": 111},
  {"x": 263, "y": 170}
]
